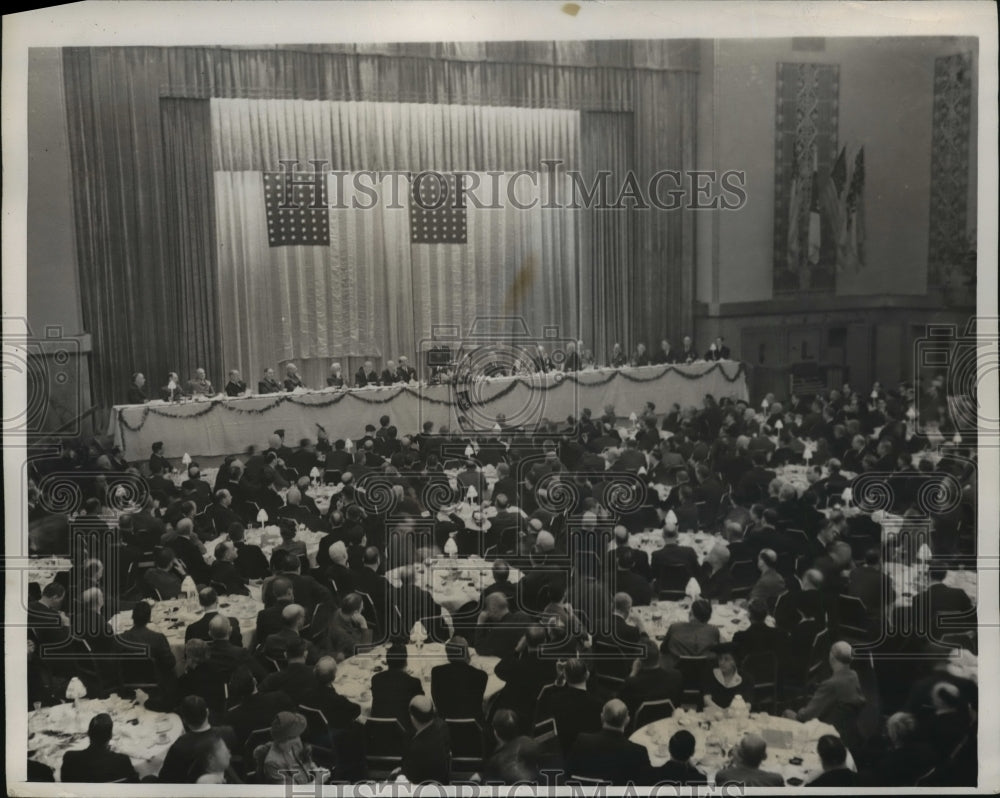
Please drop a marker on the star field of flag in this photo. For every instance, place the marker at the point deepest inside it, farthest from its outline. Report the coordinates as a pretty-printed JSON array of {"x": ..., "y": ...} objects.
[
  {"x": 295, "y": 215},
  {"x": 437, "y": 213}
]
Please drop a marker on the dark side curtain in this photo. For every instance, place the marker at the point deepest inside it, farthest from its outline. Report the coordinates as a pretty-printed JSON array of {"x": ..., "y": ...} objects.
[{"x": 143, "y": 215}]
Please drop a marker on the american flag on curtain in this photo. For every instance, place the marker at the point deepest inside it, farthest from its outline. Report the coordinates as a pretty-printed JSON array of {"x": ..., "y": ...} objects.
[
  {"x": 298, "y": 214},
  {"x": 843, "y": 204}
]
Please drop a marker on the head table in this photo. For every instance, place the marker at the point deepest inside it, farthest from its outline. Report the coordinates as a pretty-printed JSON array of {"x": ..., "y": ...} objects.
[
  {"x": 172, "y": 618},
  {"x": 220, "y": 425},
  {"x": 354, "y": 675},
  {"x": 143, "y": 735},
  {"x": 717, "y": 732}
]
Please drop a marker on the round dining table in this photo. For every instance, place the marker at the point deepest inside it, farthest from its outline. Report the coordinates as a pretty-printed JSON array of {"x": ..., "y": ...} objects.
[
  {"x": 268, "y": 538},
  {"x": 172, "y": 618},
  {"x": 354, "y": 674},
  {"x": 791, "y": 745},
  {"x": 728, "y": 617},
  {"x": 453, "y": 582},
  {"x": 141, "y": 734}
]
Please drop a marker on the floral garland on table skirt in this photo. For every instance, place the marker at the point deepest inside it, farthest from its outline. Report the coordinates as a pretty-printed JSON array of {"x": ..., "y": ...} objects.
[{"x": 339, "y": 397}]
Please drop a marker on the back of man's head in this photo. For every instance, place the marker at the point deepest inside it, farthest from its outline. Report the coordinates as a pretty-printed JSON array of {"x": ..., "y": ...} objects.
[
  {"x": 505, "y": 725},
  {"x": 682, "y": 745},
  {"x": 207, "y": 597},
  {"x": 325, "y": 670},
  {"x": 193, "y": 711},
  {"x": 752, "y": 750},
  {"x": 100, "y": 729},
  {"x": 614, "y": 715},
  {"x": 832, "y": 752},
  {"x": 702, "y": 610},
  {"x": 576, "y": 672},
  {"x": 218, "y": 628}
]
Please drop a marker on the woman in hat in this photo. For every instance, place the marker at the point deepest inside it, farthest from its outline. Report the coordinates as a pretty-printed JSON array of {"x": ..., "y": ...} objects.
[
  {"x": 287, "y": 753},
  {"x": 724, "y": 682}
]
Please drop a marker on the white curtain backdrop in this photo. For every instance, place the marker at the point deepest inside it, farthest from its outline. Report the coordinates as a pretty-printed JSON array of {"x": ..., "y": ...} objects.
[{"x": 372, "y": 292}]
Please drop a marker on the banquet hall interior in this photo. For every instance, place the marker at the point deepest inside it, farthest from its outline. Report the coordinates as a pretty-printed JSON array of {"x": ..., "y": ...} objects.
[{"x": 550, "y": 412}]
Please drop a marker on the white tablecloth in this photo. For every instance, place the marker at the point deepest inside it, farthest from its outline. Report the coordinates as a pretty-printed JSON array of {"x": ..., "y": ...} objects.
[
  {"x": 268, "y": 538},
  {"x": 909, "y": 580},
  {"x": 43, "y": 570},
  {"x": 729, "y": 618},
  {"x": 144, "y": 735},
  {"x": 173, "y": 617},
  {"x": 228, "y": 427},
  {"x": 354, "y": 675},
  {"x": 453, "y": 583},
  {"x": 652, "y": 540},
  {"x": 716, "y": 735}
]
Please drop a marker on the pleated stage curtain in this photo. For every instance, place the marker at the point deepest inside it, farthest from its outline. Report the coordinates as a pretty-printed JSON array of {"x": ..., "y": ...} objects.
[{"x": 373, "y": 291}]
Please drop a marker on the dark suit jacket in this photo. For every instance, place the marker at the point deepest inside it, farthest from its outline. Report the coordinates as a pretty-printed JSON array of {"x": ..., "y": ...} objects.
[
  {"x": 224, "y": 658},
  {"x": 156, "y": 646},
  {"x": 269, "y": 621},
  {"x": 759, "y": 638},
  {"x": 46, "y": 624},
  {"x": 339, "y": 711},
  {"x": 671, "y": 554},
  {"x": 268, "y": 386},
  {"x": 199, "y": 629},
  {"x": 457, "y": 689},
  {"x": 651, "y": 684},
  {"x": 609, "y": 755},
  {"x": 229, "y": 576},
  {"x": 639, "y": 588},
  {"x": 137, "y": 395},
  {"x": 297, "y": 680},
  {"x": 748, "y": 777},
  {"x": 429, "y": 755},
  {"x": 251, "y": 562},
  {"x": 180, "y": 759},
  {"x": 256, "y": 712},
  {"x": 363, "y": 378},
  {"x": 97, "y": 765},
  {"x": 575, "y": 711},
  {"x": 938, "y": 602},
  {"x": 841, "y": 777},
  {"x": 499, "y": 639},
  {"x": 392, "y": 690},
  {"x": 679, "y": 773}
]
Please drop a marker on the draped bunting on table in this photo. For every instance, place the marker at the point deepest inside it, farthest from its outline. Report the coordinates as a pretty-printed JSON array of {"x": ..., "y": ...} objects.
[
  {"x": 144, "y": 254},
  {"x": 371, "y": 292}
]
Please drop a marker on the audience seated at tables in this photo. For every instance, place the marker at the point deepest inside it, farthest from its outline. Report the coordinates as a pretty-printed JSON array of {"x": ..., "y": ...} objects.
[
  {"x": 721, "y": 466},
  {"x": 97, "y": 762}
]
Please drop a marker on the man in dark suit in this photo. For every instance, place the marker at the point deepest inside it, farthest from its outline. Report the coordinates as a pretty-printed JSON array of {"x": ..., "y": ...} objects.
[
  {"x": 292, "y": 379},
  {"x": 250, "y": 560},
  {"x": 665, "y": 354},
  {"x": 718, "y": 350},
  {"x": 138, "y": 394},
  {"x": 250, "y": 709},
  {"x": 199, "y": 487},
  {"x": 608, "y": 754},
  {"x": 393, "y": 688},
  {"x": 525, "y": 672},
  {"x": 673, "y": 554},
  {"x": 46, "y": 619},
  {"x": 416, "y": 604},
  {"x": 627, "y": 581},
  {"x": 498, "y": 630},
  {"x": 759, "y": 638},
  {"x": 339, "y": 711},
  {"x": 745, "y": 769},
  {"x": 375, "y": 589},
  {"x": 209, "y": 601},
  {"x": 235, "y": 384},
  {"x": 140, "y": 638},
  {"x": 694, "y": 637},
  {"x": 225, "y": 657},
  {"x": 428, "y": 757},
  {"x": 678, "y": 770},
  {"x": 516, "y": 758},
  {"x": 181, "y": 758},
  {"x": 296, "y": 679},
  {"x": 833, "y": 755},
  {"x": 941, "y": 606},
  {"x": 224, "y": 572},
  {"x": 574, "y": 709},
  {"x": 98, "y": 763},
  {"x": 164, "y": 577},
  {"x": 457, "y": 688},
  {"x": 649, "y": 681},
  {"x": 366, "y": 375},
  {"x": 269, "y": 619},
  {"x": 268, "y": 383}
]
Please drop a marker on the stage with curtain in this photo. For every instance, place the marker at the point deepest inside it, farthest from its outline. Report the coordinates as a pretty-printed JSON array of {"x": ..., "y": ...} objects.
[
  {"x": 179, "y": 269},
  {"x": 221, "y": 426}
]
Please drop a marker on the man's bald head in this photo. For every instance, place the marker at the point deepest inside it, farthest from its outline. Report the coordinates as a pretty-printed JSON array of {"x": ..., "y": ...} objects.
[
  {"x": 421, "y": 710},
  {"x": 615, "y": 714},
  {"x": 752, "y": 750},
  {"x": 281, "y": 587},
  {"x": 326, "y": 670},
  {"x": 496, "y": 605},
  {"x": 294, "y": 616},
  {"x": 218, "y": 628},
  {"x": 623, "y": 604},
  {"x": 841, "y": 652}
]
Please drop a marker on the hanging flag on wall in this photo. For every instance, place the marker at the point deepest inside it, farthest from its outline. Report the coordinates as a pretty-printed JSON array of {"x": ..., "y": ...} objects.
[{"x": 854, "y": 234}]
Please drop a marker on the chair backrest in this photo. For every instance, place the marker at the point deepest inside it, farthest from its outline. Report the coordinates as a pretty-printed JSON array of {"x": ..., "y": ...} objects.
[
  {"x": 852, "y": 616},
  {"x": 255, "y": 771},
  {"x": 652, "y": 711},
  {"x": 467, "y": 748},
  {"x": 317, "y": 727},
  {"x": 385, "y": 742},
  {"x": 610, "y": 661},
  {"x": 139, "y": 672},
  {"x": 545, "y": 730},
  {"x": 258, "y": 738}
]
